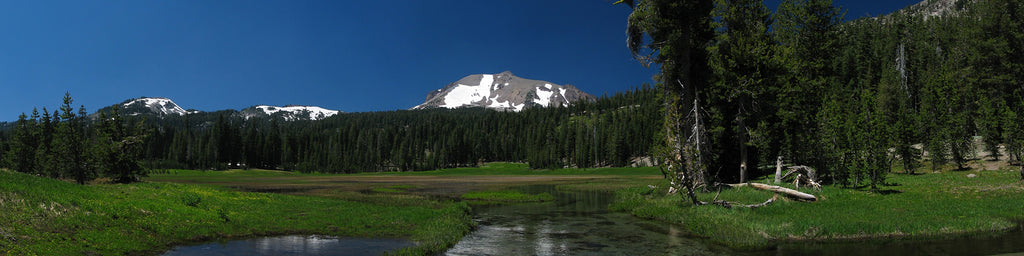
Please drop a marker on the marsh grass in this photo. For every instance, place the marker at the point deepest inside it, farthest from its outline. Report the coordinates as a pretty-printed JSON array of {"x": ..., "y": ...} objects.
[
  {"x": 925, "y": 206},
  {"x": 507, "y": 196},
  {"x": 48, "y": 217}
]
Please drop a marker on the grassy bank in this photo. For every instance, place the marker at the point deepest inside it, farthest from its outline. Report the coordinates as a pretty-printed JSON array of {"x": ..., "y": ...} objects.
[
  {"x": 933, "y": 205},
  {"x": 50, "y": 217}
]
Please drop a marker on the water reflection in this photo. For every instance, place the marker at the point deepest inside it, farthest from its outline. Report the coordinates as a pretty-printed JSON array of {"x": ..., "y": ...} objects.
[
  {"x": 577, "y": 223},
  {"x": 295, "y": 245}
]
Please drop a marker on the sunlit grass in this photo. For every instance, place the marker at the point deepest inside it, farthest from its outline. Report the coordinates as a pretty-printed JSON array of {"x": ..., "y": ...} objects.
[
  {"x": 932, "y": 205},
  {"x": 50, "y": 217}
]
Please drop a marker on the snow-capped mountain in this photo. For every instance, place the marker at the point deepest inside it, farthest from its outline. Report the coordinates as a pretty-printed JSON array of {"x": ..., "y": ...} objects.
[
  {"x": 289, "y": 113},
  {"x": 152, "y": 105},
  {"x": 161, "y": 107},
  {"x": 503, "y": 91}
]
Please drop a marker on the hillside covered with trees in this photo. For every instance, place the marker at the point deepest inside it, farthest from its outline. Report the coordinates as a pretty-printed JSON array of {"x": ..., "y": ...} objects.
[
  {"x": 610, "y": 131},
  {"x": 746, "y": 86}
]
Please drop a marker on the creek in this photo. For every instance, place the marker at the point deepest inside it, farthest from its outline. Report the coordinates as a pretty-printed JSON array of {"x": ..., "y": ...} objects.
[
  {"x": 294, "y": 245},
  {"x": 578, "y": 223}
]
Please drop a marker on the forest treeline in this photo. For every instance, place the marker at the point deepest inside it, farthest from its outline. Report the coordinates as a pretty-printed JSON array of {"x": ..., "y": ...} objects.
[
  {"x": 71, "y": 145},
  {"x": 610, "y": 131},
  {"x": 745, "y": 86}
]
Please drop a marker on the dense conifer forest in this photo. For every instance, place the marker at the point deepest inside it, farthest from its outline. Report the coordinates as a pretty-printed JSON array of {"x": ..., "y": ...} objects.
[
  {"x": 610, "y": 131},
  {"x": 856, "y": 99}
]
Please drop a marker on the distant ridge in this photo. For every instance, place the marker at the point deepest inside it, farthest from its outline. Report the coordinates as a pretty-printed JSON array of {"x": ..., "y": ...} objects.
[{"x": 162, "y": 107}]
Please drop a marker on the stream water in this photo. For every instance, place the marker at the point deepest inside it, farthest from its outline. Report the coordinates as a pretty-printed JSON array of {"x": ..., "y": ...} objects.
[
  {"x": 578, "y": 223},
  {"x": 294, "y": 245}
]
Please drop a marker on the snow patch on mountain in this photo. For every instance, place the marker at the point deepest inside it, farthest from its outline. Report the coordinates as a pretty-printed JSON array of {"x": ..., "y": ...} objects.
[
  {"x": 468, "y": 94},
  {"x": 544, "y": 96},
  {"x": 294, "y": 112},
  {"x": 159, "y": 106}
]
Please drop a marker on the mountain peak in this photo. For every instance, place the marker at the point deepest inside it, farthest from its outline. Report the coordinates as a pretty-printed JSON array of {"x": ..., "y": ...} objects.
[
  {"x": 502, "y": 91},
  {"x": 157, "y": 105}
]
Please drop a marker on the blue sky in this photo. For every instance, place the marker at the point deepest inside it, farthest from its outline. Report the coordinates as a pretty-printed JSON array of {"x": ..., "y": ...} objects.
[{"x": 353, "y": 56}]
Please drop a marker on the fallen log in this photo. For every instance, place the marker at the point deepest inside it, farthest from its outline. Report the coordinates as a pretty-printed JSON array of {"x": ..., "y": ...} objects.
[
  {"x": 804, "y": 175},
  {"x": 729, "y": 205},
  {"x": 777, "y": 189}
]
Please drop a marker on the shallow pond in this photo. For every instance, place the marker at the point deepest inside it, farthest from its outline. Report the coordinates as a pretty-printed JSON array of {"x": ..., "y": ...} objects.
[
  {"x": 576, "y": 223},
  {"x": 294, "y": 245}
]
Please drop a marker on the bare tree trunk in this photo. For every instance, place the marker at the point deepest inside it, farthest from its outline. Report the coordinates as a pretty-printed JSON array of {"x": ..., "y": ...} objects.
[
  {"x": 778, "y": 170},
  {"x": 690, "y": 169},
  {"x": 1022, "y": 171},
  {"x": 743, "y": 146},
  {"x": 777, "y": 189}
]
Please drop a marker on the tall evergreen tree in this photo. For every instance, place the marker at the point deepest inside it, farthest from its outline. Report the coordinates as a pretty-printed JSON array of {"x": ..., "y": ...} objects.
[
  {"x": 23, "y": 145},
  {"x": 69, "y": 145},
  {"x": 807, "y": 32},
  {"x": 118, "y": 147},
  {"x": 45, "y": 160},
  {"x": 679, "y": 32},
  {"x": 742, "y": 59}
]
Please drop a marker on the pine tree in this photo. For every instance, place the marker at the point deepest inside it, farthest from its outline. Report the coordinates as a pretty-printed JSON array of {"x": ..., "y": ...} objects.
[
  {"x": 21, "y": 155},
  {"x": 45, "y": 160},
  {"x": 118, "y": 147},
  {"x": 742, "y": 60},
  {"x": 679, "y": 31},
  {"x": 807, "y": 32},
  {"x": 69, "y": 145}
]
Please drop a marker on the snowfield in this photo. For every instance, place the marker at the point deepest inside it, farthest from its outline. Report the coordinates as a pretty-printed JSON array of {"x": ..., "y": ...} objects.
[
  {"x": 163, "y": 106},
  {"x": 315, "y": 113},
  {"x": 468, "y": 94}
]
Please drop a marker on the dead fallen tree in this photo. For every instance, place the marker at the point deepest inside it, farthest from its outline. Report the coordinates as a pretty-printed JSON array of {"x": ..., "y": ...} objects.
[
  {"x": 791, "y": 193},
  {"x": 805, "y": 176},
  {"x": 728, "y": 204}
]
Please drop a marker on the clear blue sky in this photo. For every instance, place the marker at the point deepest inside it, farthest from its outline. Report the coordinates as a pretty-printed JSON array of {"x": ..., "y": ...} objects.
[{"x": 352, "y": 56}]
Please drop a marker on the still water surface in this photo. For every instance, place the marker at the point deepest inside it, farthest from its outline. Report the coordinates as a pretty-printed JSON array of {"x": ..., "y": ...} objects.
[
  {"x": 578, "y": 223},
  {"x": 294, "y": 245}
]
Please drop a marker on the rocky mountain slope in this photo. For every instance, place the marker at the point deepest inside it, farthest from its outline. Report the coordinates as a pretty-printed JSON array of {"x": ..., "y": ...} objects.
[
  {"x": 933, "y": 8},
  {"x": 503, "y": 91}
]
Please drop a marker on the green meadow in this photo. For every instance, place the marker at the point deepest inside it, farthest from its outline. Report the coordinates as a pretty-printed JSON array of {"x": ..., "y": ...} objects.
[
  {"x": 172, "y": 207},
  {"x": 42, "y": 216},
  {"x": 940, "y": 205}
]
